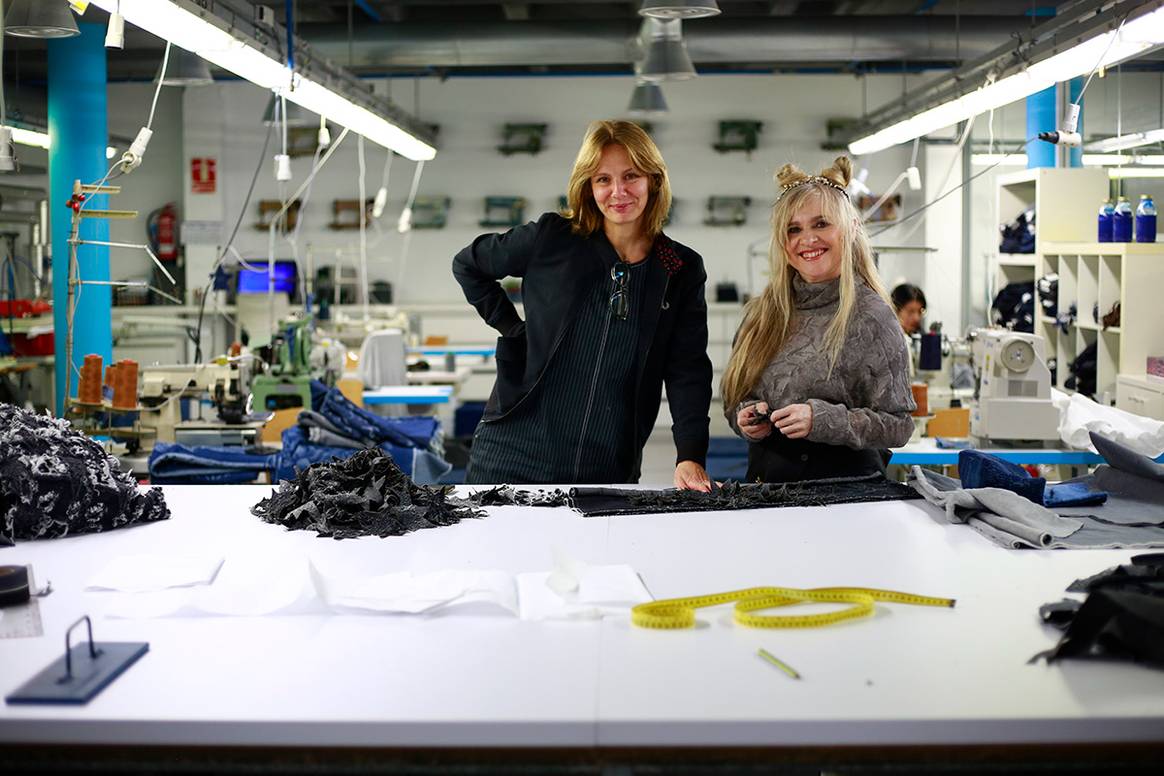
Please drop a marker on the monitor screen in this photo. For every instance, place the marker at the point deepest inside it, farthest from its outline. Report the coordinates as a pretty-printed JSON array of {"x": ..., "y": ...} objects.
[{"x": 254, "y": 281}]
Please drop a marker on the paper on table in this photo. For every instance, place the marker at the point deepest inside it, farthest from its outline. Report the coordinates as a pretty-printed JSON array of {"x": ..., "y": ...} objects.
[
  {"x": 407, "y": 593},
  {"x": 245, "y": 587},
  {"x": 143, "y": 573},
  {"x": 600, "y": 591}
]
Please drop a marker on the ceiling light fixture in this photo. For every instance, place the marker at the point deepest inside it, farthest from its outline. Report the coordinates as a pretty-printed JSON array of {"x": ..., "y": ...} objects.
[
  {"x": 901, "y": 122},
  {"x": 315, "y": 84},
  {"x": 666, "y": 56},
  {"x": 679, "y": 9},
  {"x": 40, "y": 19},
  {"x": 297, "y": 115},
  {"x": 647, "y": 100},
  {"x": 36, "y": 138},
  {"x": 1130, "y": 140},
  {"x": 186, "y": 69}
]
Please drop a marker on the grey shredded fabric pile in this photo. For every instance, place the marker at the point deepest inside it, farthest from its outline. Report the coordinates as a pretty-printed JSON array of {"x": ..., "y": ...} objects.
[
  {"x": 364, "y": 495},
  {"x": 55, "y": 481}
]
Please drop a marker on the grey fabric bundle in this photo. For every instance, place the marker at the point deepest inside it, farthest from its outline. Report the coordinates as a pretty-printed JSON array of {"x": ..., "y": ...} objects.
[{"x": 1132, "y": 516}]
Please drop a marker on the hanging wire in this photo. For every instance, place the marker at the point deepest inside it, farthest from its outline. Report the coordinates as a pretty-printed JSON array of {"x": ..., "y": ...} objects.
[{"x": 158, "y": 88}]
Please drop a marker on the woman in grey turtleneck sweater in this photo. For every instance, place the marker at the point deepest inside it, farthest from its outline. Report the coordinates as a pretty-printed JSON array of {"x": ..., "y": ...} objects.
[{"x": 818, "y": 380}]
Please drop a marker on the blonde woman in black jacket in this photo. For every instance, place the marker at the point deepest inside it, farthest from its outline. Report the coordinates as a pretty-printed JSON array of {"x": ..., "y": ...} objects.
[{"x": 614, "y": 310}]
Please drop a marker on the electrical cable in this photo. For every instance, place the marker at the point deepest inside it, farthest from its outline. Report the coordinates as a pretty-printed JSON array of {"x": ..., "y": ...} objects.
[
  {"x": 363, "y": 225},
  {"x": 230, "y": 242},
  {"x": 964, "y": 183},
  {"x": 158, "y": 88}
]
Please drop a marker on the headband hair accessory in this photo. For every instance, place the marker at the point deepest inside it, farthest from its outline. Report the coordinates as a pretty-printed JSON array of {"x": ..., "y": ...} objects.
[{"x": 811, "y": 179}]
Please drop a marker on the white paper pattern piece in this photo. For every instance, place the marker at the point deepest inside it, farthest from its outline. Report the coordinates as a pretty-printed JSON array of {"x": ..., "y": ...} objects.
[
  {"x": 287, "y": 585},
  {"x": 144, "y": 573}
]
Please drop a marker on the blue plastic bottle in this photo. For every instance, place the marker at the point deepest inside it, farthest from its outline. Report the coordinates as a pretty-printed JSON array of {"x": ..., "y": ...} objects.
[
  {"x": 1106, "y": 210},
  {"x": 1146, "y": 220},
  {"x": 1121, "y": 222}
]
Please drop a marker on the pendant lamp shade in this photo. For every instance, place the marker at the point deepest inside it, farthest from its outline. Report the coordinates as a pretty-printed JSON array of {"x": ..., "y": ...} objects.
[
  {"x": 40, "y": 19},
  {"x": 647, "y": 100},
  {"x": 186, "y": 69},
  {"x": 666, "y": 57},
  {"x": 679, "y": 9},
  {"x": 297, "y": 115}
]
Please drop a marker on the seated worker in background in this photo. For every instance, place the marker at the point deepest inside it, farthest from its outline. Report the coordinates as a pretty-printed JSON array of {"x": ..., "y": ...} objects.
[
  {"x": 614, "y": 309},
  {"x": 910, "y": 303},
  {"x": 818, "y": 379}
]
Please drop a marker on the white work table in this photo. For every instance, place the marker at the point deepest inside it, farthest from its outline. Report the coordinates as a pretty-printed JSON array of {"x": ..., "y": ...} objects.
[{"x": 909, "y": 676}]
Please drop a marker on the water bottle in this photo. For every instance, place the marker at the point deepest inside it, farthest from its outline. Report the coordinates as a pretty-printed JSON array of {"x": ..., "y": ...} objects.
[
  {"x": 1146, "y": 220},
  {"x": 1106, "y": 210},
  {"x": 1121, "y": 222}
]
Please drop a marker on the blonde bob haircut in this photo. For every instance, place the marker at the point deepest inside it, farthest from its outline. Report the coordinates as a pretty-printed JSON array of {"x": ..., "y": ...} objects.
[
  {"x": 583, "y": 212},
  {"x": 768, "y": 318}
]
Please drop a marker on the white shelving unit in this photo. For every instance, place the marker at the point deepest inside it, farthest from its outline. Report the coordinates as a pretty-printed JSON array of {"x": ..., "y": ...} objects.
[
  {"x": 1066, "y": 201},
  {"x": 1096, "y": 277}
]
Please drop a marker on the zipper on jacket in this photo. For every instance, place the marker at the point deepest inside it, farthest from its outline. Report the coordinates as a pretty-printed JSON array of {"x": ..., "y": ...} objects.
[{"x": 593, "y": 390}]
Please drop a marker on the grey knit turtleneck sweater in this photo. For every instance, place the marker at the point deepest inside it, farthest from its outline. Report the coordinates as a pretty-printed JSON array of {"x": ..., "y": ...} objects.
[{"x": 866, "y": 401}]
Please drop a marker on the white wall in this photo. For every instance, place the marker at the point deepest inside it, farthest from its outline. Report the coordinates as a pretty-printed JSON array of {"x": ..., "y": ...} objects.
[{"x": 471, "y": 112}]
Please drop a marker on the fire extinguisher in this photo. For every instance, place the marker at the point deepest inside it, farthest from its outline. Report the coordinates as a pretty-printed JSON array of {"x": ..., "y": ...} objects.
[{"x": 162, "y": 230}]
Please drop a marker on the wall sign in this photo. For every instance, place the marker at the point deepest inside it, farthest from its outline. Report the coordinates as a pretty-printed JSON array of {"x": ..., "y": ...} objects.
[{"x": 203, "y": 177}]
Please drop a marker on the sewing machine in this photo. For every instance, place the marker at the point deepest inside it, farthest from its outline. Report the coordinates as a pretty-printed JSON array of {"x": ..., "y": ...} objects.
[
  {"x": 163, "y": 387},
  {"x": 1014, "y": 388}
]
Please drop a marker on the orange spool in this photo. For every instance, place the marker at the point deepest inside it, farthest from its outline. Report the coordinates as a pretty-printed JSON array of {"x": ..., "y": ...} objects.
[
  {"x": 125, "y": 385},
  {"x": 89, "y": 388},
  {"x": 921, "y": 393}
]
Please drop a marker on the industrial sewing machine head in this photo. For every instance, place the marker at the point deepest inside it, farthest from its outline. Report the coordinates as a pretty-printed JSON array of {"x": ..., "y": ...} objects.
[{"x": 1014, "y": 388}]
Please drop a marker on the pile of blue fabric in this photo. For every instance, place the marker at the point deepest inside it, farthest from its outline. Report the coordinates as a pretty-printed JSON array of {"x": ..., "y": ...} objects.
[
  {"x": 334, "y": 428},
  {"x": 983, "y": 470}
]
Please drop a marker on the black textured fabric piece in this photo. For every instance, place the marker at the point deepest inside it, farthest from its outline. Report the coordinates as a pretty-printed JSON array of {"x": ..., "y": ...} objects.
[
  {"x": 603, "y": 502},
  {"x": 504, "y": 496},
  {"x": 1122, "y": 617},
  {"x": 365, "y": 495},
  {"x": 55, "y": 481}
]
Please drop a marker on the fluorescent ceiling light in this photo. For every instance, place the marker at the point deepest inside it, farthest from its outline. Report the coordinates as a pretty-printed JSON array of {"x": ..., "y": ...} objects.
[
  {"x": 1136, "y": 37},
  {"x": 37, "y": 139},
  {"x": 1102, "y": 160},
  {"x": 1135, "y": 172},
  {"x": 1130, "y": 140},
  {"x": 188, "y": 26}
]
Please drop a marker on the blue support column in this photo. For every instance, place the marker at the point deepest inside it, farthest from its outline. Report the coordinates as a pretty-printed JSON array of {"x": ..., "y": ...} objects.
[
  {"x": 1041, "y": 118},
  {"x": 76, "y": 118}
]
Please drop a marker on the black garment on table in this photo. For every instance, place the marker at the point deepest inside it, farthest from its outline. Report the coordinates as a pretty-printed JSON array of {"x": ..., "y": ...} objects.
[
  {"x": 576, "y": 424},
  {"x": 731, "y": 496},
  {"x": 776, "y": 458},
  {"x": 365, "y": 495},
  {"x": 1122, "y": 617},
  {"x": 55, "y": 481},
  {"x": 557, "y": 268},
  {"x": 1014, "y": 307}
]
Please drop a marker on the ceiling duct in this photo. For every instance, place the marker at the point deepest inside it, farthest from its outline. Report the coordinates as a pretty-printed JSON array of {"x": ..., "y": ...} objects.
[{"x": 726, "y": 41}]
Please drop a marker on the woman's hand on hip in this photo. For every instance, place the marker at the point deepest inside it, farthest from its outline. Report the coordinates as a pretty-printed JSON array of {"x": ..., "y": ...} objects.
[
  {"x": 794, "y": 421},
  {"x": 691, "y": 476},
  {"x": 753, "y": 421}
]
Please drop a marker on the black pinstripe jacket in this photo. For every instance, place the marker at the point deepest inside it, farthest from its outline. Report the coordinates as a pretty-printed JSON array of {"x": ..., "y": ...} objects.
[{"x": 558, "y": 268}]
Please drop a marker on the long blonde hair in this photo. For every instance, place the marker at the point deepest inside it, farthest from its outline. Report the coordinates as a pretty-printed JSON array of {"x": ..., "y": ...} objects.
[
  {"x": 768, "y": 317},
  {"x": 583, "y": 212}
]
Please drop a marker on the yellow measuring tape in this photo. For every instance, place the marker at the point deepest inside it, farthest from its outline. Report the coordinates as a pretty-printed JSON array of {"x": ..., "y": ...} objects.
[{"x": 675, "y": 613}]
